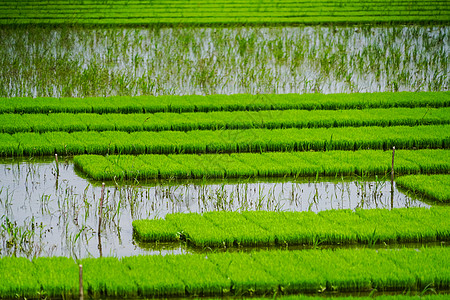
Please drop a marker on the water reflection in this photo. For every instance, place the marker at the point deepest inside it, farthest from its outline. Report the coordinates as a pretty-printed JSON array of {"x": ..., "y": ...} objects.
[{"x": 44, "y": 214}]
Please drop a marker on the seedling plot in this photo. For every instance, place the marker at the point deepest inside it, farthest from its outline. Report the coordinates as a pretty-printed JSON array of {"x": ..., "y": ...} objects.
[
  {"x": 435, "y": 187},
  {"x": 200, "y": 231},
  {"x": 271, "y": 119},
  {"x": 153, "y": 276},
  {"x": 292, "y": 277},
  {"x": 236, "y": 273},
  {"x": 243, "y": 231},
  {"x": 18, "y": 277},
  {"x": 235, "y": 102},
  {"x": 65, "y": 283},
  {"x": 200, "y": 275},
  {"x": 247, "y": 276},
  {"x": 107, "y": 277},
  {"x": 275, "y": 164},
  {"x": 294, "y": 228}
]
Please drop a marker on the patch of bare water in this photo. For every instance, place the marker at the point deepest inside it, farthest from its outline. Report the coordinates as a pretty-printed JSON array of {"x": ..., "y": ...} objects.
[{"x": 46, "y": 214}]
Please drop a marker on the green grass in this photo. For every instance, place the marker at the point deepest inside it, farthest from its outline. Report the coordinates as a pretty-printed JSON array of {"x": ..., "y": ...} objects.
[
  {"x": 250, "y": 228},
  {"x": 436, "y": 187},
  {"x": 268, "y": 164},
  {"x": 233, "y": 274}
]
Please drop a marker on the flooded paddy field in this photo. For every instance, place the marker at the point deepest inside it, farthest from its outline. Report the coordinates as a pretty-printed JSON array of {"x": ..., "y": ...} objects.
[
  {"x": 46, "y": 214},
  {"x": 81, "y": 62}
]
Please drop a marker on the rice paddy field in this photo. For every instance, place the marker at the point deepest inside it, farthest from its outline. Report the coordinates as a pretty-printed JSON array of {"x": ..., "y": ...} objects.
[{"x": 227, "y": 149}]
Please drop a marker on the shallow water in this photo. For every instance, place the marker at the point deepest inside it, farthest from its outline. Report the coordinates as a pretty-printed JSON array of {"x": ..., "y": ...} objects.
[
  {"x": 46, "y": 214},
  {"x": 80, "y": 62}
]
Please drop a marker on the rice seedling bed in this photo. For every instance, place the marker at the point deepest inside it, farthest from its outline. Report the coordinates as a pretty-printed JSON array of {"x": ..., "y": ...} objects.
[
  {"x": 270, "y": 164},
  {"x": 225, "y": 141},
  {"x": 224, "y": 12},
  {"x": 271, "y": 119},
  {"x": 435, "y": 187},
  {"x": 223, "y": 274},
  {"x": 333, "y": 227},
  {"x": 234, "y": 102}
]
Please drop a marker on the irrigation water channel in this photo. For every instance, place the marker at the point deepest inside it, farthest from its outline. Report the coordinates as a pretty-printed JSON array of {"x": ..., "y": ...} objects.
[{"x": 46, "y": 214}]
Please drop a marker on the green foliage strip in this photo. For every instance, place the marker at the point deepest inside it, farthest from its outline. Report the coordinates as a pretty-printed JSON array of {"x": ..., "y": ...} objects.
[
  {"x": 269, "y": 164},
  {"x": 225, "y": 141},
  {"x": 436, "y": 187},
  {"x": 222, "y": 274},
  {"x": 271, "y": 119},
  {"x": 241, "y": 102},
  {"x": 263, "y": 228}
]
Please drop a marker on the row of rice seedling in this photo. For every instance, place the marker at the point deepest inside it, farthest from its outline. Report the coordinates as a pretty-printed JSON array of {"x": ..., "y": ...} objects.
[
  {"x": 220, "y": 141},
  {"x": 433, "y": 186},
  {"x": 239, "y": 273},
  {"x": 252, "y": 228},
  {"x": 223, "y": 12},
  {"x": 242, "y": 102},
  {"x": 329, "y": 163},
  {"x": 273, "y": 119}
]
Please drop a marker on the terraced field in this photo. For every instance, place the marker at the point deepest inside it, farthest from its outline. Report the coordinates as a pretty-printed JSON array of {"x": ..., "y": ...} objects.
[{"x": 169, "y": 149}]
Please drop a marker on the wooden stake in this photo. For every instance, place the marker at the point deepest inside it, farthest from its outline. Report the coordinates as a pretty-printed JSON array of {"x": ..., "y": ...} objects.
[
  {"x": 81, "y": 282},
  {"x": 392, "y": 178},
  {"x": 57, "y": 165},
  {"x": 100, "y": 213},
  {"x": 392, "y": 170}
]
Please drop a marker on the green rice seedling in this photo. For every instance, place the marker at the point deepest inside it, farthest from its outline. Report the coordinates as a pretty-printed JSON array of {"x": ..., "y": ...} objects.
[
  {"x": 97, "y": 122},
  {"x": 153, "y": 276},
  {"x": 120, "y": 142},
  {"x": 385, "y": 225},
  {"x": 417, "y": 225},
  {"x": 107, "y": 277},
  {"x": 248, "y": 277},
  {"x": 243, "y": 231},
  {"x": 98, "y": 167},
  {"x": 9, "y": 146},
  {"x": 293, "y": 276},
  {"x": 162, "y": 121},
  {"x": 433, "y": 186},
  {"x": 64, "y": 143},
  {"x": 18, "y": 277},
  {"x": 233, "y": 168},
  {"x": 200, "y": 276},
  {"x": 300, "y": 165},
  {"x": 377, "y": 267},
  {"x": 12, "y": 123},
  {"x": 199, "y": 231},
  {"x": 427, "y": 268},
  {"x": 166, "y": 167},
  {"x": 58, "y": 276},
  {"x": 157, "y": 230},
  {"x": 33, "y": 144},
  {"x": 133, "y": 166},
  {"x": 264, "y": 165},
  {"x": 430, "y": 160},
  {"x": 201, "y": 166},
  {"x": 127, "y": 122},
  {"x": 67, "y": 105},
  {"x": 94, "y": 142}
]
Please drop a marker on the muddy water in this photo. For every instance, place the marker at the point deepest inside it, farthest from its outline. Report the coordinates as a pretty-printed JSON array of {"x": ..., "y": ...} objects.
[{"x": 44, "y": 213}]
